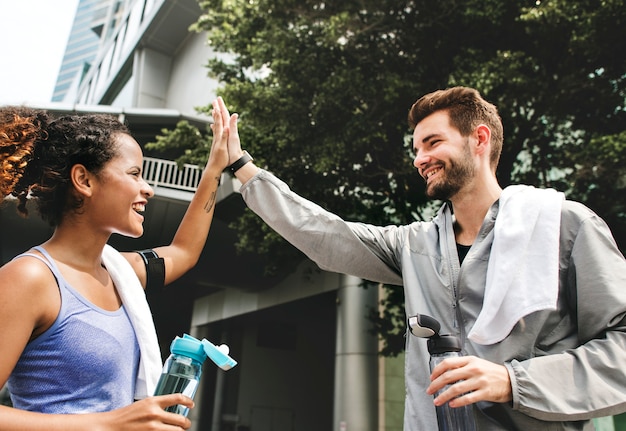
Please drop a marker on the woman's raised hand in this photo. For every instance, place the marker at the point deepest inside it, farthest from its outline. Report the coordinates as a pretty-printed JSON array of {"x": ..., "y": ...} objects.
[{"x": 227, "y": 127}]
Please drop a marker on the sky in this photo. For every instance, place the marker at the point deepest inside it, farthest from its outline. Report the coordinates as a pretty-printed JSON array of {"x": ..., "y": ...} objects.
[{"x": 33, "y": 35}]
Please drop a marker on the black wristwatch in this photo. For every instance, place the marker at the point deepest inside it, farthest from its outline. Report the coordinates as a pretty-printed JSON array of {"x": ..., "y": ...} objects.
[{"x": 240, "y": 162}]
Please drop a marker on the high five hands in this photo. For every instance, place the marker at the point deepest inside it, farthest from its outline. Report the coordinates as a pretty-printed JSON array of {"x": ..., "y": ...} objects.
[{"x": 225, "y": 133}]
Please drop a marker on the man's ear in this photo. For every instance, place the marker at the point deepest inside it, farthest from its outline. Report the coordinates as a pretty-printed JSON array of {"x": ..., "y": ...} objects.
[
  {"x": 82, "y": 180},
  {"x": 483, "y": 138}
]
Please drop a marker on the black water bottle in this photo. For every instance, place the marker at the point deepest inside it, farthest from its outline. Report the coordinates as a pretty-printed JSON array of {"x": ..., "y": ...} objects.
[
  {"x": 449, "y": 418},
  {"x": 441, "y": 347}
]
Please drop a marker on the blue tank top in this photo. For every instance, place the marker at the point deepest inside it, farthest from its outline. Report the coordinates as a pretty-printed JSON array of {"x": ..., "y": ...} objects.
[{"x": 87, "y": 361}]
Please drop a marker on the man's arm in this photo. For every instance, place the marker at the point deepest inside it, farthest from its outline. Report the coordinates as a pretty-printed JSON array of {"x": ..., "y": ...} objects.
[
  {"x": 335, "y": 245},
  {"x": 586, "y": 381}
]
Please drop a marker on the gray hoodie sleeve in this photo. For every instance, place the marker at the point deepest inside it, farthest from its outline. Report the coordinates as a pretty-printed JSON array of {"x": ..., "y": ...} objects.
[
  {"x": 333, "y": 244},
  {"x": 587, "y": 380}
]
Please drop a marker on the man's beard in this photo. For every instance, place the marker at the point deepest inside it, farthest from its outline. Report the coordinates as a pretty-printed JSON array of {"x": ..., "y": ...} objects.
[{"x": 455, "y": 176}]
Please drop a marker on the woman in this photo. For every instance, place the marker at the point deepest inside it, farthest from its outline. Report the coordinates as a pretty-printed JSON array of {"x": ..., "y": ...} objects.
[{"x": 77, "y": 337}]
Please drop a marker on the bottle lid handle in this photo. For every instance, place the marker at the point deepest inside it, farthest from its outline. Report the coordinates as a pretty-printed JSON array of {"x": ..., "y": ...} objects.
[
  {"x": 219, "y": 355},
  {"x": 424, "y": 326}
]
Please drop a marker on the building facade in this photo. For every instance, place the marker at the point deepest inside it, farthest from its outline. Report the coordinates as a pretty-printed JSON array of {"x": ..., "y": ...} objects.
[{"x": 93, "y": 20}]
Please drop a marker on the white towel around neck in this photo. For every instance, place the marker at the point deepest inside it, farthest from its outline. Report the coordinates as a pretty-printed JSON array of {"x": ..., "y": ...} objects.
[
  {"x": 523, "y": 268},
  {"x": 134, "y": 299}
]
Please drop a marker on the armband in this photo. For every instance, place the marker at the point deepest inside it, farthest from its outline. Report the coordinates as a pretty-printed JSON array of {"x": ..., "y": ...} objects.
[{"x": 155, "y": 270}]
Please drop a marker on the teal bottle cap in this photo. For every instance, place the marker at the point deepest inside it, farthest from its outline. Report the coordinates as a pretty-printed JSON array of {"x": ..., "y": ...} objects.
[
  {"x": 188, "y": 346},
  {"x": 219, "y": 355},
  {"x": 200, "y": 350}
]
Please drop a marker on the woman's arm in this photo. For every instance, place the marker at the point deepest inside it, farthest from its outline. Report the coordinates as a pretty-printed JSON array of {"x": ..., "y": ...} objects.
[
  {"x": 29, "y": 304},
  {"x": 184, "y": 250},
  {"x": 139, "y": 416}
]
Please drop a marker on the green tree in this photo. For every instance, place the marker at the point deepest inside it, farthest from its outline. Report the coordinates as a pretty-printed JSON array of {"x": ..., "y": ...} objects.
[{"x": 323, "y": 90}]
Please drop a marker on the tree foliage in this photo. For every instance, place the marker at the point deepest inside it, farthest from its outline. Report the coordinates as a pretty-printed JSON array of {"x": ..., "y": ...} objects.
[{"x": 323, "y": 90}]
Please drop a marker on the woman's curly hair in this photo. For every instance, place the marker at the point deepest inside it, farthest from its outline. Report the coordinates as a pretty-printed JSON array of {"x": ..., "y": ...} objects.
[
  {"x": 51, "y": 147},
  {"x": 20, "y": 129}
]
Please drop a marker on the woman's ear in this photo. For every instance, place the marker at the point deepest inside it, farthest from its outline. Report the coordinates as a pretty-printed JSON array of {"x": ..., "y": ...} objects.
[{"x": 82, "y": 180}]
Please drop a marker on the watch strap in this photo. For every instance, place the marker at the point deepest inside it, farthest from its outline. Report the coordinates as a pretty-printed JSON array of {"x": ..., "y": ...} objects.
[{"x": 240, "y": 162}]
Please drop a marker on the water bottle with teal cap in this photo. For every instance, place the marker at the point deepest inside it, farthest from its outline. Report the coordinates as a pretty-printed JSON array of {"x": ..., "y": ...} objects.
[{"x": 183, "y": 368}]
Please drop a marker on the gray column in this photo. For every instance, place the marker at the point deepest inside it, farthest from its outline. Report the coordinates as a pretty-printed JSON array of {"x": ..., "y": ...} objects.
[
  {"x": 151, "y": 72},
  {"x": 356, "y": 360},
  {"x": 216, "y": 423}
]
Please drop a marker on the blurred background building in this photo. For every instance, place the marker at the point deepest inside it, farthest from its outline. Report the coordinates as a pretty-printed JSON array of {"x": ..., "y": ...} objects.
[{"x": 93, "y": 21}]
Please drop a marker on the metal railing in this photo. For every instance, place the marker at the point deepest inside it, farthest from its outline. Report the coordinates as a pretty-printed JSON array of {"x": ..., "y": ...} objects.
[{"x": 165, "y": 173}]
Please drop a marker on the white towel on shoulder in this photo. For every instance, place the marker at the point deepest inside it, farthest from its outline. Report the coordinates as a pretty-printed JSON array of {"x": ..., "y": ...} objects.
[
  {"x": 134, "y": 299},
  {"x": 523, "y": 268}
]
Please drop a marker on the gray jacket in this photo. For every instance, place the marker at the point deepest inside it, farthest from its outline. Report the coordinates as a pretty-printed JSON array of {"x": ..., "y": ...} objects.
[{"x": 565, "y": 365}]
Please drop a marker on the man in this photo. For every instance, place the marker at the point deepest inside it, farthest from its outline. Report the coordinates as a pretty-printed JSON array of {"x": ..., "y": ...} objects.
[{"x": 532, "y": 284}]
